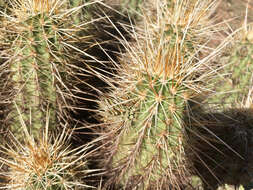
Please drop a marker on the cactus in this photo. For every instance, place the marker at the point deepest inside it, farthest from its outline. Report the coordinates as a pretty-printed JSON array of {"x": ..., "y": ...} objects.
[
  {"x": 40, "y": 57},
  {"x": 51, "y": 57},
  {"x": 53, "y": 69},
  {"x": 235, "y": 79},
  {"x": 45, "y": 164},
  {"x": 220, "y": 130},
  {"x": 39, "y": 77},
  {"x": 143, "y": 112}
]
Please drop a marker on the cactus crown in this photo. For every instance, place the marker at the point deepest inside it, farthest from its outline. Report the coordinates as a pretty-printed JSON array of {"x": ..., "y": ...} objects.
[
  {"x": 24, "y": 9},
  {"x": 45, "y": 164}
]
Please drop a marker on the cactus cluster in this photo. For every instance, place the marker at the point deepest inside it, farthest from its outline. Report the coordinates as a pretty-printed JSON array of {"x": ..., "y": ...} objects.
[
  {"x": 143, "y": 111},
  {"x": 37, "y": 38},
  {"x": 51, "y": 59},
  {"x": 131, "y": 95},
  {"x": 234, "y": 84},
  {"x": 36, "y": 72},
  {"x": 220, "y": 147}
]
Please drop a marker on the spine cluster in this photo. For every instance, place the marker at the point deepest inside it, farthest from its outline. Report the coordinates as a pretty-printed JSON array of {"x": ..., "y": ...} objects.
[
  {"x": 143, "y": 111},
  {"x": 125, "y": 94}
]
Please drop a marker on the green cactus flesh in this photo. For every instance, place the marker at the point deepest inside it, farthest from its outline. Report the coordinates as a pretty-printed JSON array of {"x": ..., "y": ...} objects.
[
  {"x": 40, "y": 76},
  {"x": 238, "y": 76},
  {"x": 149, "y": 139},
  {"x": 34, "y": 73},
  {"x": 152, "y": 130}
]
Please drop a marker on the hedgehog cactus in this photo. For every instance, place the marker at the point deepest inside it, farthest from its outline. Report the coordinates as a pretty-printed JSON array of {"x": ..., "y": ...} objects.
[
  {"x": 38, "y": 37},
  {"x": 234, "y": 84},
  {"x": 45, "y": 164},
  {"x": 220, "y": 147},
  {"x": 36, "y": 71},
  {"x": 143, "y": 112},
  {"x": 33, "y": 71}
]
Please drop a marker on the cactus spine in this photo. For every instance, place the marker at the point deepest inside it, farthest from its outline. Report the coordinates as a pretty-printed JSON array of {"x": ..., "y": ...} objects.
[
  {"x": 39, "y": 61},
  {"x": 33, "y": 72},
  {"x": 221, "y": 142},
  {"x": 236, "y": 80},
  {"x": 45, "y": 164},
  {"x": 38, "y": 68},
  {"x": 143, "y": 112}
]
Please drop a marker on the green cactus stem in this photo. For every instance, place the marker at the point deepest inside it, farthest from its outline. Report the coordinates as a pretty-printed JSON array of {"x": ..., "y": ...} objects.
[
  {"x": 235, "y": 78},
  {"x": 41, "y": 57},
  {"x": 220, "y": 129},
  {"x": 143, "y": 112},
  {"x": 34, "y": 73},
  {"x": 151, "y": 132},
  {"x": 51, "y": 62}
]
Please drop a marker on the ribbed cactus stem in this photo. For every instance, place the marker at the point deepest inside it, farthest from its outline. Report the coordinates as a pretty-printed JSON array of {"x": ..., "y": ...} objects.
[
  {"x": 154, "y": 125},
  {"x": 33, "y": 73},
  {"x": 236, "y": 81},
  {"x": 37, "y": 61},
  {"x": 146, "y": 118},
  {"x": 144, "y": 110}
]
